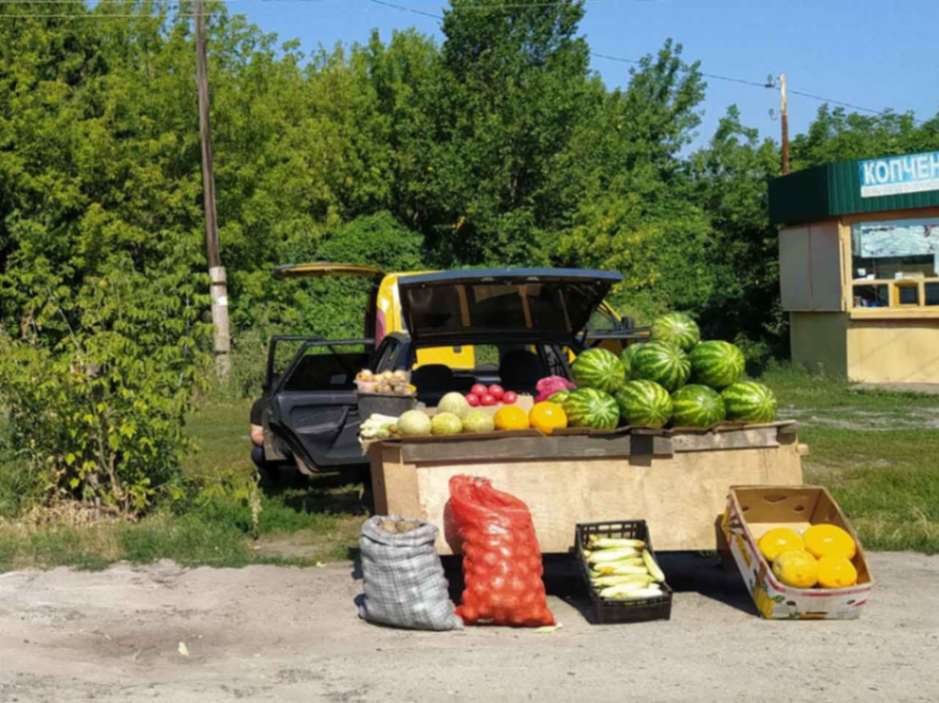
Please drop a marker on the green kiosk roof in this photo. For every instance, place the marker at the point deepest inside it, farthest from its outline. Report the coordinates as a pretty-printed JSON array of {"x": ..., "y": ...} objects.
[{"x": 850, "y": 187}]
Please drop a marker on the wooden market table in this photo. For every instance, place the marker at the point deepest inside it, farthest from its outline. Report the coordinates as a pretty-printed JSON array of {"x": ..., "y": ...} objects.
[{"x": 677, "y": 480}]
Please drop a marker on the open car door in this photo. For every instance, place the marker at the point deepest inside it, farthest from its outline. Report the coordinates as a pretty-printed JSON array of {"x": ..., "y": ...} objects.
[{"x": 314, "y": 409}]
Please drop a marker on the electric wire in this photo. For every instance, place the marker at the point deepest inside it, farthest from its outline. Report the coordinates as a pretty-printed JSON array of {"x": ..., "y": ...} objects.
[
  {"x": 620, "y": 59},
  {"x": 416, "y": 11}
]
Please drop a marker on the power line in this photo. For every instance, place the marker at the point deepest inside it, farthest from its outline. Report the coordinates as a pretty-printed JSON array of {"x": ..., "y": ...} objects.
[
  {"x": 840, "y": 102},
  {"x": 620, "y": 59},
  {"x": 403, "y": 8},
  {"x": 756, "y": 84},
  {"x": 486, "y": 7},
  {"x": 706, "y": 75},
  {"x": 413, "y": 10}
]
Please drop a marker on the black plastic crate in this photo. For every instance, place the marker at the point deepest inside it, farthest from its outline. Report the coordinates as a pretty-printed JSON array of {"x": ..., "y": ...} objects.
[{"x": 606, "y": 611}]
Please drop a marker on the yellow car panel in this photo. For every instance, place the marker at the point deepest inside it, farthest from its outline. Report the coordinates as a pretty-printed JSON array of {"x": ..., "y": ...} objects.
[{"x": 389, "y": 319}]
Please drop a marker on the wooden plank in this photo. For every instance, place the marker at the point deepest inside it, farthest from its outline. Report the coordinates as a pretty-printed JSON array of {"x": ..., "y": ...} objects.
[
  {"x": 680, "y": 496},
  {"x": 537, "y": 447},
  {"x": 737, "y": 439}
]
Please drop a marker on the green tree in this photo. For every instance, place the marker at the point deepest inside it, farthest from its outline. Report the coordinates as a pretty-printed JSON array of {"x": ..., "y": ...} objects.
[
  {"x": 730, "y": 185},
  {"x": 835, "y": 135},
  {"x": 102, "y": 343},
  {"x": 629, "y": 190},
  {"x": 510, "y": 93}
]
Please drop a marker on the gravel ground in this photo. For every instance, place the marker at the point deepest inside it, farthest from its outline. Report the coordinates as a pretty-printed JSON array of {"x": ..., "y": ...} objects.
[{"x": 270, "y": 633}]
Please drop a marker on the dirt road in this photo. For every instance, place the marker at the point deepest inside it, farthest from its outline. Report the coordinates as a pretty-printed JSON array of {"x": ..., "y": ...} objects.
[{"x": 281, "y": 634}]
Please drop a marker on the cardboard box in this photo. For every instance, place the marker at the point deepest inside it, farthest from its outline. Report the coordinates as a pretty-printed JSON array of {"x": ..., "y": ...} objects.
[{"x": 751, "y": 512}]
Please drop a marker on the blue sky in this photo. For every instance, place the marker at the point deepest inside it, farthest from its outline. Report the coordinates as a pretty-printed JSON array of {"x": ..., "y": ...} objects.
[{"x": 877, "y": 55}]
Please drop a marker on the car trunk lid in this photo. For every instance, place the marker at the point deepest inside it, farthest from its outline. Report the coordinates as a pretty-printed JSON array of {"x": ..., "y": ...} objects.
[{"x": 501, "y": 305}]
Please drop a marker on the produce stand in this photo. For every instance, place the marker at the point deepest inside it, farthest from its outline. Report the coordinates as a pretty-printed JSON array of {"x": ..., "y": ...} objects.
[{"x": 677, "y": 480}]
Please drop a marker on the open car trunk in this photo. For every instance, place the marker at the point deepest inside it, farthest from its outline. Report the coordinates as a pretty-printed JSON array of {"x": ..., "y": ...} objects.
[
  {"x": 314, "y": 404},
  {"x": 514, "y": 306}
]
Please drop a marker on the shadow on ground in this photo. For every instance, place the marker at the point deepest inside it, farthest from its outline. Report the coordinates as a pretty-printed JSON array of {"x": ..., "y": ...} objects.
[{"x": 685, "y": 572}]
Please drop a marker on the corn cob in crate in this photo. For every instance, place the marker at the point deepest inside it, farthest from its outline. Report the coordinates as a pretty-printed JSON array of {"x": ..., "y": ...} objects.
[
  {"x": 620, "y": 573},
  {"x": 622, "y": 569}
]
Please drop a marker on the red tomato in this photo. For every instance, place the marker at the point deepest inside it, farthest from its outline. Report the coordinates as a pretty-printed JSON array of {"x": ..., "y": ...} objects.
[
  {"x": 496, "y": 391},
  {"x": 488, "y": 399},
  {"x": 509, "y": 397},
  {"x": 472, "y": 399},
  {"x": 479, "y": 389}
]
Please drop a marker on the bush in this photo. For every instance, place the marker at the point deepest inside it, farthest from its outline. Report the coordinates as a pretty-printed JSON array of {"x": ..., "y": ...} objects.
[{"x": 98, "y": 382}]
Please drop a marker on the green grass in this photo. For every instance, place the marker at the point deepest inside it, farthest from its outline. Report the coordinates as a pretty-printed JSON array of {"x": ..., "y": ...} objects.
[
  {"x": 210, "y": 524},
  {"x": 220, "y": 433},
  {"x": 214, "y": 532},
  {"x": 876, "y": 451}
]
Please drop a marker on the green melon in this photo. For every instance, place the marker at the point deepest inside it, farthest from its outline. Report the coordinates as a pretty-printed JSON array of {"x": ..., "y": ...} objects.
[
  {"x": 626, "y": 356},
  {"x": 644, "y": 404},
  {"x": 676, "y": 328},
  {"x": 749, "y": 401},
  {"x": 559, "y": 397},
  {"x": 589, "y": 407},
  {"x": 598, "y": 368},
  {"x": 716, "y": 363},
  {"x": 663, "y": 363},
  {"x": 697, "y": 406}
]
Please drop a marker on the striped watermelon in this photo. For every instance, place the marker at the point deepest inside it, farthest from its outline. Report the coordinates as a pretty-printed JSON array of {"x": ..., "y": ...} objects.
[
  {"x": 716, "y": 363},
  {"x": 644, "y": 404},
  {"x": 676, "y": 328},
  {"x": 559, "y": 397},
  {"x": 663, "y": 363},
  {"x": 589, "y": 407},
  {"x": 697, "y": 406},
  {"x": 626, "y": 356},
  {"x": 598, "y": 368},
  {"x": 749, "y": 401}
]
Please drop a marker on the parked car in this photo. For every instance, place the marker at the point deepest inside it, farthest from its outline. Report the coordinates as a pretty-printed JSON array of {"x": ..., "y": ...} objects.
[{"x": 449, "y": 329}]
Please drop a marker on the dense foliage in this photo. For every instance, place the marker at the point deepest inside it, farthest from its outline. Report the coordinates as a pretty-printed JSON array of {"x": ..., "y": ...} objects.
[{"x": 497, "y": 146}]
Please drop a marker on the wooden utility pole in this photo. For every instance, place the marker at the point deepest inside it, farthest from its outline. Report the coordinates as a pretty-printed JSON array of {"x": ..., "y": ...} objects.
[
  {"x": 218, "y": 287},
  {"x": 784, "y": 122}
]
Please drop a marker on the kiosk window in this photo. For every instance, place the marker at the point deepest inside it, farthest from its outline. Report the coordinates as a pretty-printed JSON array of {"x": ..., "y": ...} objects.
[
  {"x": 895, "y": 249},
  {"x": 908, "y": 295},
  {"x": 895, "y": 262},
  {"x": 932, "y": 293},
  {"x": 868, "y": 296}
]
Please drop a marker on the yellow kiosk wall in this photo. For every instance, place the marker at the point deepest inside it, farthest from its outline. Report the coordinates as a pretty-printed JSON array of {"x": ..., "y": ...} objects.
[
  {"x": 894, "y": 351},
  {"x": 873, "y": 345}
]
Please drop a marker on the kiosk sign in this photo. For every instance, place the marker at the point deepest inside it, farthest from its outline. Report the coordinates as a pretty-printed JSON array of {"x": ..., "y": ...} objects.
[{"x": 895, "y": 175}]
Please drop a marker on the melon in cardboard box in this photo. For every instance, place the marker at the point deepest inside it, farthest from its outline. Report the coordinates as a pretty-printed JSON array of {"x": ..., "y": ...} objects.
[{"x": 754, "y": 510}]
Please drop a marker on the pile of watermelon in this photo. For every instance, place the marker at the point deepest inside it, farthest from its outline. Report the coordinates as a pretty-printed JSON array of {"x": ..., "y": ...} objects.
[{"x": 675, "y": 378}]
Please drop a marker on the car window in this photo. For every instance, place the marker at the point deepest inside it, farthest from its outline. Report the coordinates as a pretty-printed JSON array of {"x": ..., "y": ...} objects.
[
  {"x": 602, "y": 320},
  {"x": 333, "y": 368}
]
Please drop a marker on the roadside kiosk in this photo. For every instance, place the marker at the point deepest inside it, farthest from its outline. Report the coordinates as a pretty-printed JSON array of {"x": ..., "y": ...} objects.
[{"x": 859, "y": 267}]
